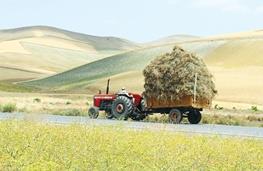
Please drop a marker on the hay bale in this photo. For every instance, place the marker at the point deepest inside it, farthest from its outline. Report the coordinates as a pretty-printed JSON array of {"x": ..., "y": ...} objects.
[{"x": 172, "y": 76}]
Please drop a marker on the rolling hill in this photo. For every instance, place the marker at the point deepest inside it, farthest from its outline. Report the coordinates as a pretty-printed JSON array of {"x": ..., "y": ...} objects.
[
  {"x": 236, "y": 62},
  {"x": 33, "y": 52}
]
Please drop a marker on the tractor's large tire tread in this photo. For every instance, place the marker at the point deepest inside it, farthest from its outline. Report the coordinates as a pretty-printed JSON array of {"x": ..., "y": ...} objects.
[
  {"x": 128, "y": 102},
  {"x": 128, "y": 105}
]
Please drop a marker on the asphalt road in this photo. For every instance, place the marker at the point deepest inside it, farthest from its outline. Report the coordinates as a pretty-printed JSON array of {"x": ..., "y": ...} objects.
[{"x": 207, "y": 129}]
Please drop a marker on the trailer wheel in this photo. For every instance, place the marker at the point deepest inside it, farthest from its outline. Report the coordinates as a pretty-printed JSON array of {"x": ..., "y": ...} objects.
[
  {"x": 175, "y": 116},
  {"x": 121, "y": 108},
  {"x": 93, "y": 112},
  {"x": 194, "y": 117}
]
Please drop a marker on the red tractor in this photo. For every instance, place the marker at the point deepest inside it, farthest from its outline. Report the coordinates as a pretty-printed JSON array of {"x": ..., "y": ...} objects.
[
  {"x": 124, "y": 105},
  {"x": 121, "y": 105}
]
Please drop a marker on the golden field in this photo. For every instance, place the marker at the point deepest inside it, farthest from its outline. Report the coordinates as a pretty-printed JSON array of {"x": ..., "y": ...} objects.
[{"x": 36, "y": 146}]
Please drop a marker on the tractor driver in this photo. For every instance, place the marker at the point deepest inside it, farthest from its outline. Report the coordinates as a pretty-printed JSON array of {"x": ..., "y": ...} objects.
[{"x": 123, "y": 91}]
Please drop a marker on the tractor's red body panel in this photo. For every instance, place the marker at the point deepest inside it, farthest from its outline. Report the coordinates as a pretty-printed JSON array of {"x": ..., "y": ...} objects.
[
  {"x": 136, "y": 98},
  {"x": 97, "y": 99}
]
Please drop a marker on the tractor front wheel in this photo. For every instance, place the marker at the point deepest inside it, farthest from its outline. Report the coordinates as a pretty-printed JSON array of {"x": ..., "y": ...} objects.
[
  {"x": 93, "y": 112},
  {"x": 122, "y": 108}
]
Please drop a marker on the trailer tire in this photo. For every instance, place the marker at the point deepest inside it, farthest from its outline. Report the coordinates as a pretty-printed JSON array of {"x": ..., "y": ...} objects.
[
  {"x": 93, "y": 112},
  {"x": 175, "y": 116},
  {"x": 194, "y": 116},
  {"x": 122, "y": 108}
]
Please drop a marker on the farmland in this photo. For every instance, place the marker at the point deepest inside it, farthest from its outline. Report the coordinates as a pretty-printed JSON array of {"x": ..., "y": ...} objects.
[{"x": 30, "y": 145}]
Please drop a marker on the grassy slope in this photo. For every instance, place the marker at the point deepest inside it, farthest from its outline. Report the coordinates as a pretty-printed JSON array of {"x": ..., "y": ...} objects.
[
  {"x": 12, "y": 74},
  {"x": 135, "y": 60},
  {"x": 32, "y": 146},
  {"x": 9, "y": 87},
  {"x": 49, "y": 50}
]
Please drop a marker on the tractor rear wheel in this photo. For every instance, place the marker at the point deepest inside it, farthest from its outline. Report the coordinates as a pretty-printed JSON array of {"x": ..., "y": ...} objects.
[
  {"x": 122, "y": 107},
  {"x": 93, "y": 112},
  {"x": 194, "y": 116},
  {"x": 175, "y": 116}
]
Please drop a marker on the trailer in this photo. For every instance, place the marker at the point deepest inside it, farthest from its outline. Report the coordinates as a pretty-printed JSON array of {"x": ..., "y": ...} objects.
[{"x": 186, "y": 106}]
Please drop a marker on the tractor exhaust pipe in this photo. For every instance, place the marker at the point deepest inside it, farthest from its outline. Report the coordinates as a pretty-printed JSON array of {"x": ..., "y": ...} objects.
[{"x": 108, "y": 87}]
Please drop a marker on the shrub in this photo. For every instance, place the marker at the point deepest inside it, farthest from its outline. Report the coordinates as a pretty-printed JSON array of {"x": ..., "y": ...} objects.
[
  {"x": 217, "y": 107},
  {"x": 8, "y": 108},
  {"x": 254, "y": 118},
  {"x": 254, "y": 108},
  {"x": 37, "y": 100},
  {"x": 68, "y": 103}
]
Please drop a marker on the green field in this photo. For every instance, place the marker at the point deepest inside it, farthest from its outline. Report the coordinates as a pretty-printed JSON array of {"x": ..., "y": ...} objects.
[{"x": 27, "y": 146}]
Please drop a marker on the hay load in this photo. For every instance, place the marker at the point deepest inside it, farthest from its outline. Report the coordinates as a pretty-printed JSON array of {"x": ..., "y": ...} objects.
[{"x": 173, "y": 76}]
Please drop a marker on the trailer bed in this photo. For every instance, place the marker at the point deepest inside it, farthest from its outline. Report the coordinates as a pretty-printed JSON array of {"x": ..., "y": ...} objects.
[{"x": 186, "y": 101}]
